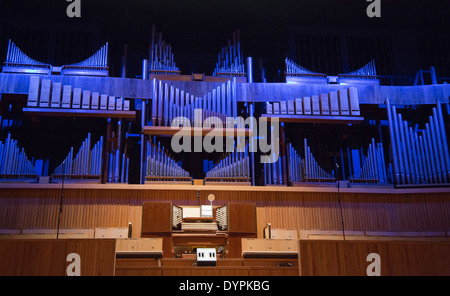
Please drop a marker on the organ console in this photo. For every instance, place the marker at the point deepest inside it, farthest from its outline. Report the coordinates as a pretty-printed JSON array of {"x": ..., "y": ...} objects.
[{"x": 184, "y": 228}]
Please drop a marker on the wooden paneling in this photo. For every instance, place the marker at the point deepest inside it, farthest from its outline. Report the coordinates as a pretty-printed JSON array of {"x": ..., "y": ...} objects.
[
  {"x": 138, "y": 271},
  {"x": 349, "y": 258},
  {"x": 279, "y": 233},
  {"x": 139, "y": 247},
  {"x": 91, "y": 206},
  {"x": 48, "y": 257},
  {"x": 269, "y": 247},
  {"x": 242, "y": 218},
  {"x": 156, "y": 217},
  {"x": 224, "y": 267},
  {"x": 137, "y": 267},
  {"x": 204, "y": 271}
]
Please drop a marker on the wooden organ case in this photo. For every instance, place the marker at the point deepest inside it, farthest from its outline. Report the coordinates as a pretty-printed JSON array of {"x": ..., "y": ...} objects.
[{"x": 182, "y": 231}]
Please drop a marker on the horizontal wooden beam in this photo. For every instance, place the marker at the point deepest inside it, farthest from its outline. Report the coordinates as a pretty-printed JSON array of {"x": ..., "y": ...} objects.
[{"x": 194, "y": 131}]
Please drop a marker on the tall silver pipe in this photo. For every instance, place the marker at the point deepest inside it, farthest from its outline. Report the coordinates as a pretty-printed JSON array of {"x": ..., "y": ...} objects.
[
  {"x": 430, "y": 151},
  {"x": 420, "y": 154},
  {"x": 383, "y": 163},
  {"x": 375, "y": 162},
  {"x": 404, "y": 151},
  {"x": 415, "y": 151},
  {"x": 397, "y": 152},
  {"x": 234, "y": 97},
  {"x": 440, "y": 145},
  {"x": 166, "y": 104},
  {"x": 249, "y": 70},
  {"x": 306, "y": 159},
  {"x": 252, "y": 144},
  {"x": 444, "y": 137},
  {"x": 171, "y": 105},
  {"x": 425, "y": 158},
  {"x": 143, "y": 123},
  {"x": 154, "y": 101},
  {"x": 435, "y": 149},
  {"x": 393, "y": 143},
  {"x": 160, "y": 102},
  {"x": 409, "y": 152}
]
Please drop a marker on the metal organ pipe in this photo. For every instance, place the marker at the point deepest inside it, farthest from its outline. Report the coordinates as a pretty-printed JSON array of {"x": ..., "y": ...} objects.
[{"x": 424, "y": 153}]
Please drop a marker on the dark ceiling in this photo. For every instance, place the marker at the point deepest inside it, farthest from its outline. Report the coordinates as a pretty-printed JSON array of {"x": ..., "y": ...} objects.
[{"x": 198, "y": 29}]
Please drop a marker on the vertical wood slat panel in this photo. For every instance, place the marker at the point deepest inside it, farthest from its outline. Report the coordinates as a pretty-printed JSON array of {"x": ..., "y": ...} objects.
[
  {"x": 348, "y": 258},
  {"x": 48, "y": 257},
  {"x": 90, "y": 208}
]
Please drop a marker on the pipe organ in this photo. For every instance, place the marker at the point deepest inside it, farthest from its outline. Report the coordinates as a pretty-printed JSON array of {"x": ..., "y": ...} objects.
[
  {"x": 344, "y": 102},
  {"x": 370, "y": 168},
  {"x": 295, "y": 165},
  {"x": 273, "y": 172},
  {"x": 14, "y": 163},
  {"x": 18, "y": 62},
  {"x": 364, "y": 75},
  {"x": 171, "y": 106},
  {"x": 161, "y": 167},
  {"x": 313, "y": 171},
  {"x": 85, "y": 165},
  {"x": 118, "y": 164},
  {"x": 161, "y": 59},
  {"x": 230, "y": 58},
  {"x": 324, "y": 159},
  {"x": 367, "y": 71},
  {"x": 233, "y": 168},
  {"x": 44, "y": 93},
  {"x": 296, "y": 73},
  {"x": 306, "y": 169},
  {"x": 417, "y": 156},
  {"x": 96, "y": 65},
  {"x": 420, "y": 156}
]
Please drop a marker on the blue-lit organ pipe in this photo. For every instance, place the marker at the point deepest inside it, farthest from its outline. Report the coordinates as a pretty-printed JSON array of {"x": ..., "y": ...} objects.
[
  {"x": 440, "y": 124},
  {"x": 373, "y": 168},
  {"x": 14, "y": 162},
  {"x": 293, "y": 68},
  {"x": 86, "y": 162},
  {"x": 98, "y": 59},
  {"x": 396, "y": 167},
  {"x": 313, "y": 171},
  {"x": 16, "y": 56},
  {"x": 117, "y": 167},
  {"x": 159, "y": 164},
  {"x": 235, "y": 167},
  {"x": 161, "y": 58},
  {"x": 295, "y": 164},
  {"x": 423, "y": 153},
  {"x": 230, "y": 58},
  {"x": 172, "y": 106}
]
